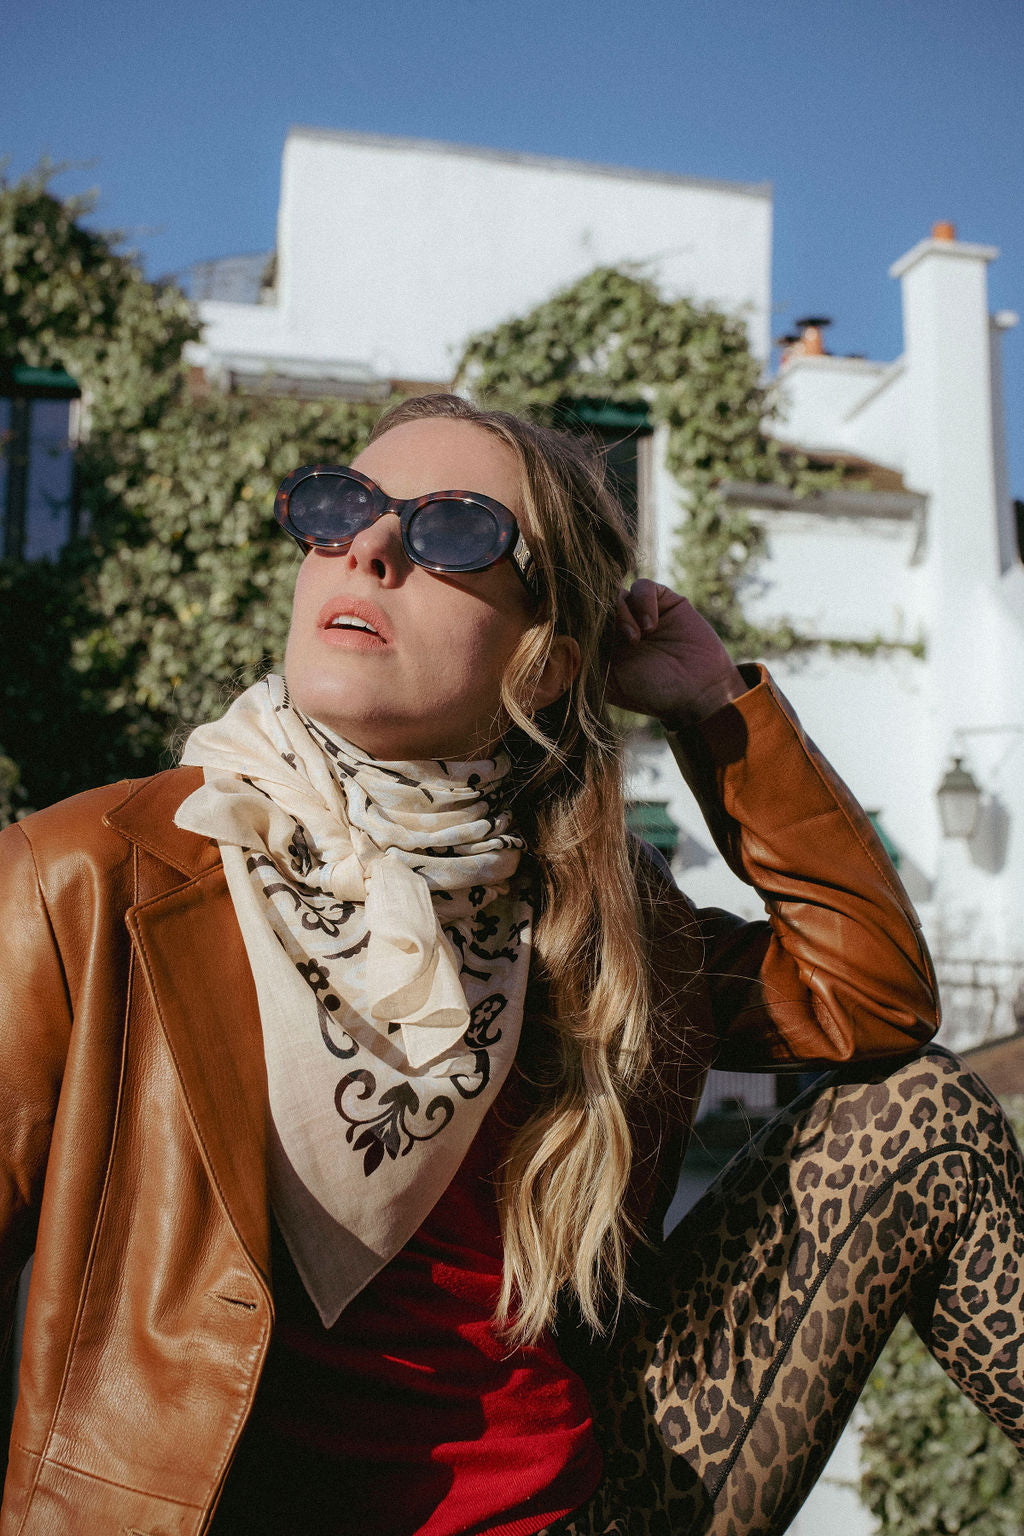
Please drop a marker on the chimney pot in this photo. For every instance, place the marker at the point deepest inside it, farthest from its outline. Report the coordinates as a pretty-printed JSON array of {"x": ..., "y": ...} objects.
[
  {"x": 943, "y": 230},
  {"x": 812, "y": 341}
]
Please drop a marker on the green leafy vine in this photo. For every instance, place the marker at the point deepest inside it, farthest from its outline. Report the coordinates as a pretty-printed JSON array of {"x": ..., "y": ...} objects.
[
  {"x": 613, "y": 335},
  {"x": 180, "y": 591}
]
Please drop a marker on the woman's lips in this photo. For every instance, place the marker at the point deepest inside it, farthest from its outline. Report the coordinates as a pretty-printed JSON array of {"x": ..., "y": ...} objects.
[{"x": 354, "y": 638}]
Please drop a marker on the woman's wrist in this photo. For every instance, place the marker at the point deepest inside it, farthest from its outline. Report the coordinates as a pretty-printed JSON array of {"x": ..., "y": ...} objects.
[{"x": 700, "y": 706}]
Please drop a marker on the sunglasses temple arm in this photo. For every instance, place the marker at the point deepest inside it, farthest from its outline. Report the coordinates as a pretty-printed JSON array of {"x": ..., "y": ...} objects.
[{"x": 525, "y": 566}]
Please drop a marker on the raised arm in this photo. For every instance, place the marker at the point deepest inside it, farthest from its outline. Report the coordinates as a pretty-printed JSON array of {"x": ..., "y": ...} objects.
[{"x": 838, "y": 969}]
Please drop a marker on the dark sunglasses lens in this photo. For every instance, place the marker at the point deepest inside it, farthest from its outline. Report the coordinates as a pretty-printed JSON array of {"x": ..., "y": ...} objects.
[
  {"x": 455, "y": 535},
  {"x": 329, "y": 508}
]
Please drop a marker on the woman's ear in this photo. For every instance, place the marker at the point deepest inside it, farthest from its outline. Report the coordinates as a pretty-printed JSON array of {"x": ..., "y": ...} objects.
[{"x": 561, "y": 667}]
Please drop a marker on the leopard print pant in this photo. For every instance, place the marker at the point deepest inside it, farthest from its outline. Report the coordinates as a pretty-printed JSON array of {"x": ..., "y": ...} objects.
[{"x": 874, "y": 1193}]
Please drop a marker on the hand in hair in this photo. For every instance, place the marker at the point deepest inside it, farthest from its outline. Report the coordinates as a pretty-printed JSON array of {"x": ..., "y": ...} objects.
[{"x": 667, "y": 660}]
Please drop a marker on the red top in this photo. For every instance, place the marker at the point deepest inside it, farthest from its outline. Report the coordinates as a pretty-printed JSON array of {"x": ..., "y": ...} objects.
[{"x": 410, "y": 1417}]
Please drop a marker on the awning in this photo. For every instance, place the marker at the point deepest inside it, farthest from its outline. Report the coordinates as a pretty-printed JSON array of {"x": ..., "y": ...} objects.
[
  {"x": 21, "y": 379},
  {"x": 650, "y": 820},
  {"x": 593, "y": 411}
]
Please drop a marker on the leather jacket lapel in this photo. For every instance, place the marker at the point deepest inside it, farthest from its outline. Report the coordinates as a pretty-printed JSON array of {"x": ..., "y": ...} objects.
[{"x": 195, "y": 963}]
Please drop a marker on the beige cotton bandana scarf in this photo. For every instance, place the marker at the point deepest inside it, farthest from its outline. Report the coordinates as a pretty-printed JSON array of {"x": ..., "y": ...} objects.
[{"x": 390, "y": 944}]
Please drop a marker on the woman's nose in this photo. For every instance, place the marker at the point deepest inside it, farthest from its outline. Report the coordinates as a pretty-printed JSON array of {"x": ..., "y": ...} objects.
[{"x": 379, "y": 549}]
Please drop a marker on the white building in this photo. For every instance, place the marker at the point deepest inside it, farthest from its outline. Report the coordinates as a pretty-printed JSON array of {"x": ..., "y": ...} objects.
[
  {"x": 923, "y": 569},
  {"x": 391, "y": 252},
  {"x": 917, "y": 583}
]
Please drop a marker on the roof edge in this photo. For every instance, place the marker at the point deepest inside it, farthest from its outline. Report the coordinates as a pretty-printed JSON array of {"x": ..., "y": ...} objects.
[
  {"x": 758, "y": 189},
  {"x": 902, "y": 506}
]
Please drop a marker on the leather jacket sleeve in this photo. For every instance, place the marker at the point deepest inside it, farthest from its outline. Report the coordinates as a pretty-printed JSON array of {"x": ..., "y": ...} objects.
[
  {"x": 839, "y": 970},
  {"x": 35, "y": 1024}
]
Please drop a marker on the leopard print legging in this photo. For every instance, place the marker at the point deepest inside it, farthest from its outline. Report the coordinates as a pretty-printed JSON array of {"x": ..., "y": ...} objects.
[{"x": 874, "y": 1193}]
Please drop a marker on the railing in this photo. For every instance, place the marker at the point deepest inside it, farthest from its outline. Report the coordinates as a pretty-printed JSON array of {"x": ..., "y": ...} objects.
[{"x": 982, "y": 999}]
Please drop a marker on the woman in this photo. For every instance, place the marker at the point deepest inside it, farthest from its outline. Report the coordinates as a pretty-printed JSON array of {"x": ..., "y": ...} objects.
[{"x": 383, "y": 959}]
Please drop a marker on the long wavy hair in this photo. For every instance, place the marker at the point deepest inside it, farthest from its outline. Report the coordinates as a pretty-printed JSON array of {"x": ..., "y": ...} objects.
[{"x": 586, "y": 1048}]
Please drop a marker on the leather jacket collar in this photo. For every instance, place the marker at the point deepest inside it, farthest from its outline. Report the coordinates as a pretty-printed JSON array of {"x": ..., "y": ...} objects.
[{"x": 189, "y": 945}]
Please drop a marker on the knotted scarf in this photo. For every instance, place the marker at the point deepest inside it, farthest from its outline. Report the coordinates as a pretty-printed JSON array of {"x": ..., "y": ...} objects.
[{"x": 389, "y": 940}]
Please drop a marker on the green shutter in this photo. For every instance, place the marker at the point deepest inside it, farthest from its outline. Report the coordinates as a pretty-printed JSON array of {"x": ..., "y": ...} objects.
[
  {"x": 650, "y": 820},
  {"x": 25, "y": 377},
  {"x": 611, "y": 415},
  {"x": 875, "y": 818}
]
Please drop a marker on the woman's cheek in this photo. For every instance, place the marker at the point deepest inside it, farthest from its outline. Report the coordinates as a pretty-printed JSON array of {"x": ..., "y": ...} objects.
[
  {"x": 304, "y": 601},
  {"x": 301, "y": 629}
]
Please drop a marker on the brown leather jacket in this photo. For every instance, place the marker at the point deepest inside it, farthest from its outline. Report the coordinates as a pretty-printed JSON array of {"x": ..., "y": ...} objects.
[{"x": 132, "y": 1092}]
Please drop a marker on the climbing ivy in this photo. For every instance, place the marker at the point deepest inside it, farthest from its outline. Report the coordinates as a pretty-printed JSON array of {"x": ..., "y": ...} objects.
[
  {"x": 180, "y": 590},
  {"x": 196, "y": 603},
  {"x": 69, "y": 298},
  {"x": 613, "y": 335}
]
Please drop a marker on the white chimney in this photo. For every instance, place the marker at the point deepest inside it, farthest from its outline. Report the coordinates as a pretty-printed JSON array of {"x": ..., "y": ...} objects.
[
  {"x": 954, "y": 445},
  {"x": 955, "y": 454}
]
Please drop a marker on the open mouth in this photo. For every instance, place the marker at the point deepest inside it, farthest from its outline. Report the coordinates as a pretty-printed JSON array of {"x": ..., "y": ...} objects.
[
  {"x": 355, "y": 617},
  {"x": 349, "y": 621}
]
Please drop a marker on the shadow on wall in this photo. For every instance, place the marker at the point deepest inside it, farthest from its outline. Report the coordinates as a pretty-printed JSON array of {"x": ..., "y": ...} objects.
[
  {"x": 692, "y": 854},
  {"x": 991, "y": 836},
  {"x": 918, "y": 885}
]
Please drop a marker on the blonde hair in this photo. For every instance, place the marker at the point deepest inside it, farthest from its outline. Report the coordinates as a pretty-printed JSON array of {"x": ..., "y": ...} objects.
[{"x": 585, "y": 1048}]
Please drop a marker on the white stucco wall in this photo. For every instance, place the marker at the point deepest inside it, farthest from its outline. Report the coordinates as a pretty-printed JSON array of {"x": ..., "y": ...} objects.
[
  {"x": 891, "y": 722},
  {"x": 392, "y": 251},
  {"x": 833, "y": 1503},
  {"x": 874, "y": 427},
  {"x": 851, "y": 578},
  {"x": 817, "y": 393}
]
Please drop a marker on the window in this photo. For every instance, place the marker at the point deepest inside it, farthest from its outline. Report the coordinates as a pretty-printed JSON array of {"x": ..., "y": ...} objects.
[
  {"x": 38, "y": 511},
  {"x": 624, "y": 430}
]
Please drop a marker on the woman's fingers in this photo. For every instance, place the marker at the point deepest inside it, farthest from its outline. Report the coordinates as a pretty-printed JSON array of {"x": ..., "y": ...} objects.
[
  {"x": 625, "y": 618},
  {"x": 637, "y": 609}
]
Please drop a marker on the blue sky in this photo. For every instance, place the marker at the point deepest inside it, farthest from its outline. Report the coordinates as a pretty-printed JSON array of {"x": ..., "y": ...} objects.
[{"x": 871, "y": 118}]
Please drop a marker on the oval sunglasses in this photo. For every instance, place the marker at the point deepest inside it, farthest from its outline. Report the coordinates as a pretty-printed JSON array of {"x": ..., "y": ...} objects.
[{"x": 324, "y": 506}]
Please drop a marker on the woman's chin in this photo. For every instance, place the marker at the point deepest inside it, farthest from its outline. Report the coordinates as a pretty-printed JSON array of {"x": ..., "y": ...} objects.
[{"x": 427, "y": 730}]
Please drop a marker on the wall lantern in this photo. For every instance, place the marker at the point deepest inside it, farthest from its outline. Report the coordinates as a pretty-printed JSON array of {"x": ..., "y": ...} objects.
[{"x": 959, "y": 797}]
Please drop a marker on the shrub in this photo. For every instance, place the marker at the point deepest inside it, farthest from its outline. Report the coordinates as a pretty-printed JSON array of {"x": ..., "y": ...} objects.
[{"x": 932, "y": 1462}]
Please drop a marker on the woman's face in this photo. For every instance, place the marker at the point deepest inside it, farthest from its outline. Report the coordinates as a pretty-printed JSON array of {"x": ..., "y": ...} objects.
[{"x": 428, "y": 683}]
